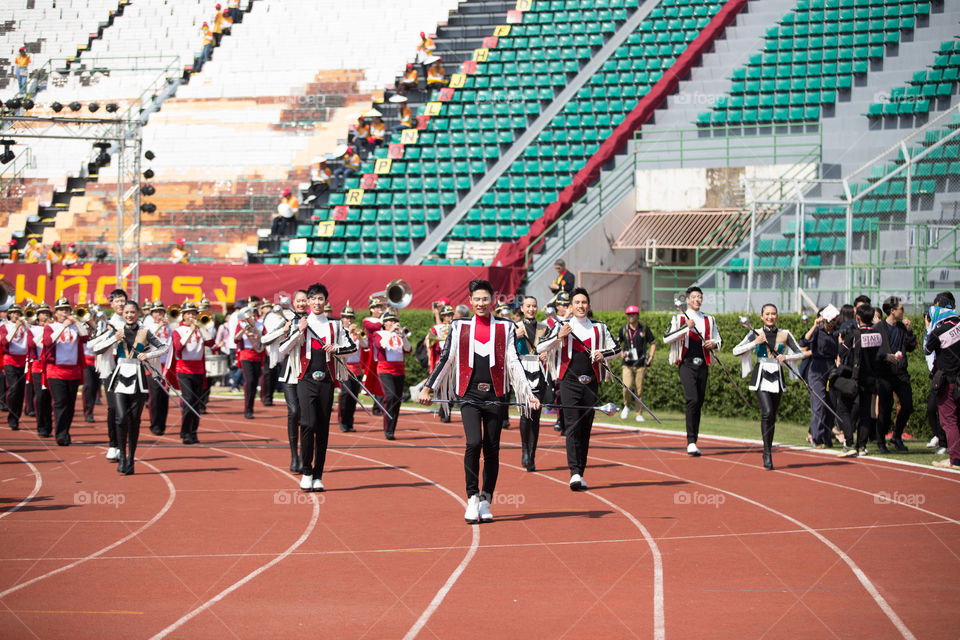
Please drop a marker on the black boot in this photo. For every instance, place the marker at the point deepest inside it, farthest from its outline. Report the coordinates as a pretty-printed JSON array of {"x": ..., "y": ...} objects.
[
  {"x": 121, "y": 463},
  {"x": 767, "y": 459},
  {"x": 898, "y": 444},
  {"x": 295, "y": 465}
]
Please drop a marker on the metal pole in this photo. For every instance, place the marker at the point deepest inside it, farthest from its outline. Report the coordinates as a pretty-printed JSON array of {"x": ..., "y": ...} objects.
[
  {"x": 750, "y": 258},
  {"x": 906, "y": 155}
]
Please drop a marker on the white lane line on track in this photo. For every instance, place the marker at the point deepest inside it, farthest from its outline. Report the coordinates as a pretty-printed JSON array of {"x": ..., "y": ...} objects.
[
  {"x": 516, "y": 545},
  {"x": 166, "y": 507},
  {"x": 36, "y": 485},
  {"x": 857, "y": 571}
]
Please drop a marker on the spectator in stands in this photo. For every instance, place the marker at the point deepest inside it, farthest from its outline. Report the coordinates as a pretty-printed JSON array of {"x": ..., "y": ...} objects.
[
  {"x": 321, "y": 178},
  {"x": 436, "y": 76},
  {"x": 359, "y": 134},
  {"x": 14, "y": 256},
  {"x": 378, "y": 131},
  {"x": 70, "y": 257},
  {"x": 286, "y": 219},
  {"x": 20, "y": 64},
  {"x": 564, "y": 279},
  {"x": 351, "y": 165},
  {"x": 425, "y": 49},
  {"x": 227, "y": 22},
  {"x": 234, "y": 9},
  {"x": 406, "y": 117},
  {"x": 54, "y": 256},
  {"x": 410, "y": 79},
  {"x": 178, "y": 255},
  {"x": 33, "y": 252},
  {"x": 207, "y": 50},
  {"x": 218, "y": 21}
]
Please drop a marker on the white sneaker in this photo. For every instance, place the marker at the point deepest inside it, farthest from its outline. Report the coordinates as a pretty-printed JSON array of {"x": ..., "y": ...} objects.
[
  {"x": 583, "y": 484},
  {"x": 306, "y": 483},
  {"x": 692, "y": 449},
  {"x": 941, "y": 451},
  {"x": 472, "y": 514},
  {"x": 640, "y": 418},
  {"x": 624, "y": 413},
  {"x": 317, "y": 485},
  {"x": 576, "y": 482},
  {"x": 934, "y": 441},
  {"x": 113, "y": 453},
  {"x": 484, "y": 509}
]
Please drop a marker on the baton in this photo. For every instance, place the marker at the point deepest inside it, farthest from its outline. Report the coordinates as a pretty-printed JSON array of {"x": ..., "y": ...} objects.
[
  {"x": 165, "y": 385},
  {"x": 608, "y": 409}
]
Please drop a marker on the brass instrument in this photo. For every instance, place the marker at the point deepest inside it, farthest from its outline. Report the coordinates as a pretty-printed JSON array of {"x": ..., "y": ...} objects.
[
  {"x": 247, "y": 317},
  {"x": 205, "y": 320},
  {"x": 398, "y": 293},
  {"x": 30, "y": 314},
  {"x": 81, "y": 312},
  {"x": 173, "y": 312}
]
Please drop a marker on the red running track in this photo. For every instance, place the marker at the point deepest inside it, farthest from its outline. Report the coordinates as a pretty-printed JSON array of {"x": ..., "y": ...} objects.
[{"x": 215, "y": 540}]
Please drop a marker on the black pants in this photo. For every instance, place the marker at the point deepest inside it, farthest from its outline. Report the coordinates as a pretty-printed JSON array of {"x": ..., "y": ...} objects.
[
  {"x": 856, "y": 416},
  {"x": 191, "y": 386},
  {"x": 347, "y": 404},
  {"x": 769, "y": 405},
  {"x": 64, "y": 394},
  {"x": 293, "y": 417},
  {"x": 268, "y": 384},
  {"x": 43, "y": 405},
  {"x": 15, "y": 379},
  {"x": 821, "y": 420},
  {"x": 933, "y": 419},
  {"x": 316, "y": 404},
  {"x": 129, "y": 408},
  {"x": 694, "y": 382},
  {"x": 91, "y": 389},
  {"x": 577, "y": 423},
  {"x": 251, "y": 375},
  {"x": 482, "y": 425},
  {"x": 112, "y": 419},
  {"x": 29, "y": 400},
  {"x": 3, "y": 393},
  {"x": 530, "y": 430},
  {"x": 392, "y": 394},
  {"x": 895, "y": 384},
  {"x": 205, "y": 396},
  {"x": 159, "y": 406}
]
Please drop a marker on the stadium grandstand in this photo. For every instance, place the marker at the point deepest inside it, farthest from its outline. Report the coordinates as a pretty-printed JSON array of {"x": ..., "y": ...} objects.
[{"x": 795, "y": 149}]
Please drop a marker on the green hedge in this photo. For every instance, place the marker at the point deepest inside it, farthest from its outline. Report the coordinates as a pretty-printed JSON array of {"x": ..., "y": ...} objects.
[{"x": 661, "y": 386}]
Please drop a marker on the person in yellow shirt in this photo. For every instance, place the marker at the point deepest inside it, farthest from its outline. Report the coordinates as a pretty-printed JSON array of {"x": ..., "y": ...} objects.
[
  {"x": 70, "y": 257},
  {"x": 378, "y": 131},
  {"x": 32, "y": 253},
  {"x": 54, "y": 257},
  {"x": 321, "y": 178},
  {"x": 426, "y": 48},
  {"x": 207, "y": 50},
  {"x": 178, "y": 255},
  {"x": 410, "y": 79},
  {"x": 361, "y": 131},
  {"x": 14, "y": 252},
  {"x": 20, "y": 64},
  {"x": 351, "y": 165},
  {"x": 219, "y": 21},
  {"x": 436, "y": 75}
]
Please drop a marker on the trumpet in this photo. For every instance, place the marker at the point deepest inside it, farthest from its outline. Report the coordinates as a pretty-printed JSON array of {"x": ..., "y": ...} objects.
[
  {"x": 30, "y": 314},
  {"x": 205, "y": 320},
  {"x": 173, "y": 312},
  {"x": 84, "y": 312}
]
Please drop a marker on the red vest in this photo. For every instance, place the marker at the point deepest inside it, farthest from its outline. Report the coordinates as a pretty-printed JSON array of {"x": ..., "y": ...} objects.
[
  {"x": 565, "y": 359},
  {"x": 305, "y": 362},
  {"x": 497, "y": 367},
  {"x": 706, "y": 336}
]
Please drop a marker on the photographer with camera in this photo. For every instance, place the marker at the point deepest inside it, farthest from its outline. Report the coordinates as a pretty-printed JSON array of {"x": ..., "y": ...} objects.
[{"x": 638, "y": 346}]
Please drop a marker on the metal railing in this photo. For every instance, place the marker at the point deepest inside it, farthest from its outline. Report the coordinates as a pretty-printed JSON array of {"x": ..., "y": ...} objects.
[{"x": 13, "y": 171}]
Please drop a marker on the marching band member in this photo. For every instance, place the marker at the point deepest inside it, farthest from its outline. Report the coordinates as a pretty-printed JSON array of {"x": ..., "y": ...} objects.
[
  {"x": 771, "y": 346},
  {"x": 188, "y": 352},
  {"x": 289, "y": 370},
  {"x": 29, "y": 309},
  {"x": 248, "y": 336},
  {"x": 434, "y": 340},
  {"x": 268, "y": 371},
  {"x": 372, "y": 324},
  {"x": 16, "y": 342},
  {"x": 347, "y": 404},
  {"x": 389, "y": 344},
  {"x": 128, "y": 383},
  {"x": 42, "y": 402},
  {"x": 91, "y": 381},
  {"x": 312, "y": 343},
  {"x": 529, "y": 334},
  {"x": 63, "y": 365},
  {"x": 692, "y": 337},
  {"x": 210, "y": 329},
  {"x": 159, "y": 399},
  {"x": 478, "y": 366},
  {"x": 105, "y": 363},
  {"x": 561, "y": 311},
  {"x": 578, "y": 369}
]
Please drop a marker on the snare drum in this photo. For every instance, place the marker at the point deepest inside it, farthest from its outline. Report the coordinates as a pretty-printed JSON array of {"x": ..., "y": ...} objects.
[{"x": 216, "y": 365}]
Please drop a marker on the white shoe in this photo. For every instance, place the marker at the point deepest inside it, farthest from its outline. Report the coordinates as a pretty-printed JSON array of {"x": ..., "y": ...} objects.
[
  {"x": 624, "y": 413},
  {"x": 484, "y": 509},
  {"x": 692, "y": 449},
  {"x": 472, "y": 514},
  {"x": 583, "y": 484},
  {"x": 306, "y": 483},
  {"x": 934, "y": 441},
  {"x": 113, "y": 453},
  {"x": 640, "y": 418},
  {"x": 317, "y": 485},
  {"x": 941, "y": 451},
  {"x": 576, "y": 482}
]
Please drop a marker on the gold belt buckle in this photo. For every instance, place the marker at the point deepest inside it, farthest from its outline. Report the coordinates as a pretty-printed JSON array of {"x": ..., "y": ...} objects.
[
  {"x": 483, "y": 386},
  {"x": 585, "y": 379}
]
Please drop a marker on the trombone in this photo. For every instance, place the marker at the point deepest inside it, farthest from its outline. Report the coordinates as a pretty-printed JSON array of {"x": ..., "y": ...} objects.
[
  {"x": 30, "y": 314},
  {"x": 173, "y": 313},
  {"x": 84, "y": 313},
  {"x": 398, "y": 293},
  {"x": 205, "y": 320}
]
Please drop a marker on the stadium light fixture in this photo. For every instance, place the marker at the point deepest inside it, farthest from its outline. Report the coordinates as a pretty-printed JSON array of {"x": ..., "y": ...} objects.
[
  {"x": 112, "y": 107},
  {"x": 75, "y": 106},
  {"x": 7, "y": 154},
  {"x": 93, "y": 107},
  {"x": 148, "y": 174},
  {"x": 149, "y": 155},
  {"x": 57, "y": 107},
  {"x": 148, "y": 207},
  {"x": 103, "y": 158}
]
